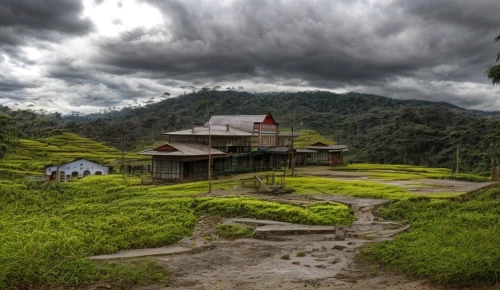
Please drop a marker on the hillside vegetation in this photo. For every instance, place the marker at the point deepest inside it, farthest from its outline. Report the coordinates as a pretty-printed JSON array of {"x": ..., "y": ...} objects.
[
  {"x": 309, "y": 137},
  {"x": 31, "y": 156},
  {"x": 377, "y": 129}
]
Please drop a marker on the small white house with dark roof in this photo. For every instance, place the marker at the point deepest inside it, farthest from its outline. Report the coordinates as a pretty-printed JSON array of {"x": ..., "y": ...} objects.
[{"x": 77, "y": 168}]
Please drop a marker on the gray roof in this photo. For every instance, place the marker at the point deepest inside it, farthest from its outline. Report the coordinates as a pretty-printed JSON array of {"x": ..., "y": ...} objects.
[
  {"x": 304, "y": 150},
  {"x": 329, "y": 147},
  {"x": 183, "y": 150},
  {"x": 240, "y": 122},
  {"x": 74, "y": 160},
  {"x": 278, "y": 150},
  {"x": 214, "y": 131}
]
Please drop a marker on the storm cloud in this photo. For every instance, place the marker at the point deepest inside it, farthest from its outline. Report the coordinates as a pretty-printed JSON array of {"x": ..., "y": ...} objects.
[{"x": 433, "y": 50}]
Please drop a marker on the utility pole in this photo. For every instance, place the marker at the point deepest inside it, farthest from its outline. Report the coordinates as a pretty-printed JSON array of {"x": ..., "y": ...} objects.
[
  {"x": 458, "y": 158},
  {"x": 123, "y": 154},
  {"x": 293, "y": 155},
  {"x": 209, "y": 157}
]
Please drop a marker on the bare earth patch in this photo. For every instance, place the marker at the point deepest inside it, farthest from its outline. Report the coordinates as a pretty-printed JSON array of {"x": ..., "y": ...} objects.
[
  {"x": 302, "y": 260},
  {"x": 318, "y": 261}
]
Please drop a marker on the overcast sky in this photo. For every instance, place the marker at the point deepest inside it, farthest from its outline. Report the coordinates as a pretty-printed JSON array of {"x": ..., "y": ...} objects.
[{"x": 68, "y": 55}]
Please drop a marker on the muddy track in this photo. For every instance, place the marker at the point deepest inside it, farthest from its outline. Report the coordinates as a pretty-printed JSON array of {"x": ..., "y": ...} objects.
[{"x": 281, "y": 261}]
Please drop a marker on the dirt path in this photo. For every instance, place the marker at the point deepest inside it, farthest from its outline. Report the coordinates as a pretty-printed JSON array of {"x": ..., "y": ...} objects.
[{"x": 309, "y": 261}]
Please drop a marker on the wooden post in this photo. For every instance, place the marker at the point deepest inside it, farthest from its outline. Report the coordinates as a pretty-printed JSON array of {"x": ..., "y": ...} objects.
[
  {"x": 209, "y": 158},
  {"x": 123, "y": 155},
  {"x": 458, "y": 158},
  {"x": 293, "y": 156},
  {"x": 58, "y": 175}
]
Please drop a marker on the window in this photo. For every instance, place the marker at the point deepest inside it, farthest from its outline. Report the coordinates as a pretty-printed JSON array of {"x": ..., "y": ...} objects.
[{"x": 268, "y": 140}]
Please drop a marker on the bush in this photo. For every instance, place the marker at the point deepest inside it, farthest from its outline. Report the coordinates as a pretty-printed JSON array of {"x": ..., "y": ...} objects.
[{"x": 231, "y": 232}]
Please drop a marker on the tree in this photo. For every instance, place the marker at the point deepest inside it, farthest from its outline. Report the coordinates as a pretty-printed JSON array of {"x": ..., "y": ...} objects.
[
  {"x": 7, "y": 134},
  {"x": 493, "y": 72}
]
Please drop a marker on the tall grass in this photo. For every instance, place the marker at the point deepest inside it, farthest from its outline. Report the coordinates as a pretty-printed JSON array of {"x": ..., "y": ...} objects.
[
  {"x": 48, "y": 230},
  {"x": 360, "y": 188},
  {"x": 454, "y": 241}
]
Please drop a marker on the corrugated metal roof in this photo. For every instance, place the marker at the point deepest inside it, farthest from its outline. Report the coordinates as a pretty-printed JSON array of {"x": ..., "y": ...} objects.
[
  {"x": 278, "y": 150},
  {"x": 304, "y": 150},
  {"x": 329, "y": 147},
  {"x": 240, "y": 122},
  {"x": 183, "y": 149},
  {"x": 78, "y": 159},
  {"x": 214, "y": 131}
]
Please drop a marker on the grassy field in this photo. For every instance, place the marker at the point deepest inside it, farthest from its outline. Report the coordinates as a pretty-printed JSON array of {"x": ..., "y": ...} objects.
[
  {"x": 407, "y": 172},
  {"x": 31, "y": 156},
  {"x": 454, "y": 241},
  {"x": 47, "y": 230},
  {"x": 360, "y": 188}
]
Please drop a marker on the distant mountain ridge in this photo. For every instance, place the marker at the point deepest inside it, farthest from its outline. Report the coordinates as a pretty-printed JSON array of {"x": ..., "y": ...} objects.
[{"x": 377, "y": 128}]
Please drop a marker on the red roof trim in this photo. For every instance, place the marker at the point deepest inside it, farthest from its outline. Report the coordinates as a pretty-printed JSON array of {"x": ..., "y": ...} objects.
[{"x": 165, "y": 147}]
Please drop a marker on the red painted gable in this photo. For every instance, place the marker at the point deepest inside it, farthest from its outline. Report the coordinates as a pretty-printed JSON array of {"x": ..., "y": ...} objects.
[
  {"x": 165, "y": 147},
  {"x": 269, "y": 120}
]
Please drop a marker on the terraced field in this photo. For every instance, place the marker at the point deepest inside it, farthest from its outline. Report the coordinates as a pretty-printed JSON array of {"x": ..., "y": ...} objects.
[{"x": 31, "y": 156}]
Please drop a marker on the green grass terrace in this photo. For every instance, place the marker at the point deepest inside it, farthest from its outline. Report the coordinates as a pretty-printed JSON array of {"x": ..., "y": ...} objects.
[{"x": 408, "y": 172}]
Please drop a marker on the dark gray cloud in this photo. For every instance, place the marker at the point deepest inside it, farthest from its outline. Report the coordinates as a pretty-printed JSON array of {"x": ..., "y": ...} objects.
[
  {"x": 434, "y": 50},
  {"x": 25, "y": 21},
  {"x": 320, "y": 42}
]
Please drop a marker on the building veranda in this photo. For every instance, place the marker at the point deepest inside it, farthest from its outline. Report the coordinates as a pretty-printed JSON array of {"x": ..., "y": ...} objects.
[{"x": 239, "y": 143}]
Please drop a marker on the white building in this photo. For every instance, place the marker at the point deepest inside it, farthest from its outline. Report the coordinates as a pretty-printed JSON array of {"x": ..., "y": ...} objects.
[{"x": 77, "y": 168}]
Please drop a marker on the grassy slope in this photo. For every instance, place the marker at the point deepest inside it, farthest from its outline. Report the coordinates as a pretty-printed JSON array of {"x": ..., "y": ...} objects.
[
  {"x": 47, "y": 230},
  {"x": 406, "y": 172},
  {"x": 309, "y": 137},
  {"x": 452, "y": 241},
  {"x": 31, "y": 156}
]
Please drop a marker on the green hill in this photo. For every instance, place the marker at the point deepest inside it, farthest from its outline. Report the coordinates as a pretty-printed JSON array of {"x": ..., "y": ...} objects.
[
  {"x": 309, "y": 137},
  {"x": 376, "y": 129},
  {"x": 31, "y": 156}
]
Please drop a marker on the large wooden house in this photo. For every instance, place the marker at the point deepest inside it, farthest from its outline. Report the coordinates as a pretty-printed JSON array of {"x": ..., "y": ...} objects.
[{"x": 238, "y": 143}]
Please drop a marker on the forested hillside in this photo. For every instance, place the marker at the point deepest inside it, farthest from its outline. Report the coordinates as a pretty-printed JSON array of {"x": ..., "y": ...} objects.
[{"x": 377, "y": 129}]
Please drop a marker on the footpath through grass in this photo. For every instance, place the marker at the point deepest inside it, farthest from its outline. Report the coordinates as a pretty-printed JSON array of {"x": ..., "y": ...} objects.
[
  {"x": 455, "y": 241},
  {"x": 407, "y": 172},
  {"x": 48, "y": 230}
]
